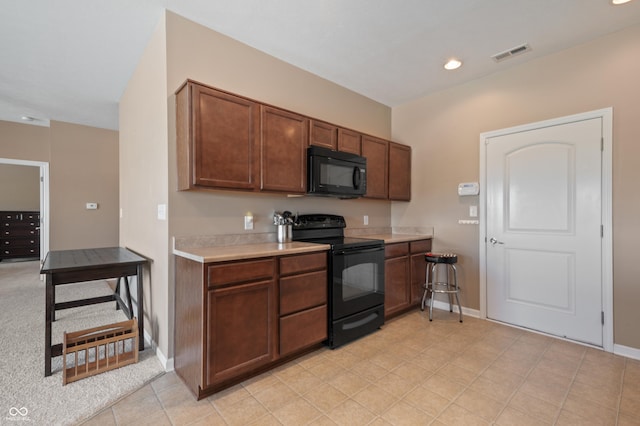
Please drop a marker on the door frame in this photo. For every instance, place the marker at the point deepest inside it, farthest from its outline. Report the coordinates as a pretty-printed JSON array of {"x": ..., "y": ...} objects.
[
  {"x": 44, "y": 200},
  {"x": 606, "y": 115}
]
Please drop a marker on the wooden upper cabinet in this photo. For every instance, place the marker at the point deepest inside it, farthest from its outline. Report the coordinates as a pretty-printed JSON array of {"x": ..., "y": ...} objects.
[
  {"x": 217, "y": 139},
  {"x": 349, "y": 141},
  {"x": 323, "y": 134},
  {"x": 283, "y": 145},
  {"x": 399, "y": 172},
  {"x": 376, "y": 152}
]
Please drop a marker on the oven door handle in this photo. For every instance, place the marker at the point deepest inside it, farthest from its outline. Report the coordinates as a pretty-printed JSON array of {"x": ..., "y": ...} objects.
[{"x": 357, "y": 250}]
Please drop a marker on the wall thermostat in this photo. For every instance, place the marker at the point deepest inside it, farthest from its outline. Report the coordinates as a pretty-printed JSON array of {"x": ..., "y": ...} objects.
[{"x": 468, "y": 188}]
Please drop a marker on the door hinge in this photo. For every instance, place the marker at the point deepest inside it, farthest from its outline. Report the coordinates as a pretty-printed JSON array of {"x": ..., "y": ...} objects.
[
  {"x": 602, "y": 144},
  {"x": 601, "y": 231},
  {"x": 602, "y": 317}
]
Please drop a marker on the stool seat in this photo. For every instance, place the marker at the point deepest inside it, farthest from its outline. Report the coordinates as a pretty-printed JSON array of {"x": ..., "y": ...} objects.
[{"x": 449, "y": 258}]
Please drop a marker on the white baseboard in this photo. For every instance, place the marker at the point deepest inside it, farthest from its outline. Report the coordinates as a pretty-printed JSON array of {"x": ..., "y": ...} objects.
[
  {"x": 167, "y": 363},
  {"x": 626, "y": 351},
  {"x": 438, "y": 304}
]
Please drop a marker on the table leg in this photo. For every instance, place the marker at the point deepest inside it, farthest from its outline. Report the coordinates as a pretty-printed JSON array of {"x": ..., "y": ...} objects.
[
  {"x": 48, "y": 316},
  {"x": 140, "y": 309}
]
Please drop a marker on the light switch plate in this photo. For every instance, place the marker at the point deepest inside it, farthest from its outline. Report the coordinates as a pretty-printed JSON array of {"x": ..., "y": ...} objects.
[
  {"x": 162, "y": 212},
  {"x": 92, "y": 206}
]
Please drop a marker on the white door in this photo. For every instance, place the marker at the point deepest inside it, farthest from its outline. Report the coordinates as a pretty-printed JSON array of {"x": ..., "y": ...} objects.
[{"x": 543, "y": 232}]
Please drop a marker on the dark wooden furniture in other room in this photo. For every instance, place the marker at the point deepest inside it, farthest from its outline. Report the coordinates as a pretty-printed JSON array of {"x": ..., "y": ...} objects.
[{"x": 19, "y": 235}]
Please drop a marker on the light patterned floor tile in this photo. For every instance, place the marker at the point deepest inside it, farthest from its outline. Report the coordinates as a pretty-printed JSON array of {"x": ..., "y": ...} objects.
[{"x": 413, "y": 372}]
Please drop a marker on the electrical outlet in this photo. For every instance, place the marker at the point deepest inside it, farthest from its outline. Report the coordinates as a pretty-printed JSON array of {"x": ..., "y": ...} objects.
[
  {"x": 248, "y": 222},
  {"x": 92, "y": 206},
  {"x": 473, "y": 211},
  {"x": 366, "y": 219}
]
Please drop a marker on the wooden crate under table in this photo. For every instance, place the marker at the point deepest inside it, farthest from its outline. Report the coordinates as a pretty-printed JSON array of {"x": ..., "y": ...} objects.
[{"x": 96, "y": 350}]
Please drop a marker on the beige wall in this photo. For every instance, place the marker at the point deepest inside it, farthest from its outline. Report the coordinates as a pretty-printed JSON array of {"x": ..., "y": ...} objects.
[
  {"x": 144, "y": 177},
  {"x": 19, "y": 187},
  {"x": 444, "y": 131},
  {"x": 24, "y": 141},
  {"x": 83, "y": 167}
]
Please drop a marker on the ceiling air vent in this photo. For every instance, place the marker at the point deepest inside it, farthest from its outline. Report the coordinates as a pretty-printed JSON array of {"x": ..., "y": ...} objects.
[{"x": 518, "y": 50}]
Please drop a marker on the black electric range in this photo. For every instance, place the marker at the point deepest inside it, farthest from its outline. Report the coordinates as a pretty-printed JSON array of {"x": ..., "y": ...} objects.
[{"x": 356, "y": 276}]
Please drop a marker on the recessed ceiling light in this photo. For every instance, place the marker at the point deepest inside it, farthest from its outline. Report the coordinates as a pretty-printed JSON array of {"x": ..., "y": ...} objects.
[
  {"x": 452, "y": 64},
  {"x": 617, "y": 2}
]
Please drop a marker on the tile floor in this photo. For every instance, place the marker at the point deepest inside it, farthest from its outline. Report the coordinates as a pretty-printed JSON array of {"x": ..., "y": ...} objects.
[{"x": 413, "y": 372}]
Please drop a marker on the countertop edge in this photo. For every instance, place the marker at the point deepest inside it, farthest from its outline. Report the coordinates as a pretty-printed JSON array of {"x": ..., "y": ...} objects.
[
  {"x": 397, "y": 238},
  {"x": 247, "y": 251}
]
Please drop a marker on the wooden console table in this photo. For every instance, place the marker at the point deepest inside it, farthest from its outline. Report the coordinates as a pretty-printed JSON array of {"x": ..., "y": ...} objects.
[{"x": 74, "y": 266}]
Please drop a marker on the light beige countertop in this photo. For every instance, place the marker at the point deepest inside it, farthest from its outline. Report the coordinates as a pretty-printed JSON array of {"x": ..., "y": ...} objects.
[
  {"x": 396, "y": 238},
  {"x": 247, "y": 251}
]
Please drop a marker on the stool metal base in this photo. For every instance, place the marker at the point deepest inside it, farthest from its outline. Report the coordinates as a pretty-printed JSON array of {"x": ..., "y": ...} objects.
[{"x": 448, "y": 287}]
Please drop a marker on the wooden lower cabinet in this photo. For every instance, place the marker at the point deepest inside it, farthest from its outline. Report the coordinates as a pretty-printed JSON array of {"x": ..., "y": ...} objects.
[
  {"x": 241, "y": 330},
  {"x": 237, "y": 319},
  {"x": 417, "y": 250},
  {"x": 404, "y": 275},
  {"x": 396, "y": 277}
]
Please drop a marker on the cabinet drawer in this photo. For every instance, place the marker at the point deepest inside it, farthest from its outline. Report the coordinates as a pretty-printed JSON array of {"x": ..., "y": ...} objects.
[
  {"x": 422, "y": 246},
  {"x": 19, "y": 242},
  {"x": 19, "y": 232},
  {"x": 236, "y": 272},
  {"x": 20, "y": 251},
  {"x": 396, "y": 250},
  {"x": 303, "y": 329},
  {"x": 303, "y": 291},
  {"x": 19, "y": 216},
  {"x": 302, "y": 263}
]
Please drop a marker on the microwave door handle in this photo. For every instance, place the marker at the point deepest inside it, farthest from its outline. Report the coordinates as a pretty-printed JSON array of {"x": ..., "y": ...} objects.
[{"x": 357, "y": 179}]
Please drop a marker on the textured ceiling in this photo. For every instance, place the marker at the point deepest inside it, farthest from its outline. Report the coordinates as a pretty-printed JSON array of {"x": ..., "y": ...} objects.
[{"x": 70, "y": 60}]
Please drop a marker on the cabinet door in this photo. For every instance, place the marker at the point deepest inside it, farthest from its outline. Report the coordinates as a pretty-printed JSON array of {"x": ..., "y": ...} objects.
[
  {"x": 349, "y": 141},
  {"x": 376, "y": 152},
  {"x": 224, "y": 146},
  {"x": 418, "y": 269},
  {"x": 399, "y": 172},
  {"x": 242, "y": 326},
  {"x": 396, "y": 286},
  {"x": 283, "y": 151},
  {"x": 323, "y": 134}
]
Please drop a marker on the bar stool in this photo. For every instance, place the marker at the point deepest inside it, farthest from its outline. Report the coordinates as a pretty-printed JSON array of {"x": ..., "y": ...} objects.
[{"x": 449, "y": 287}]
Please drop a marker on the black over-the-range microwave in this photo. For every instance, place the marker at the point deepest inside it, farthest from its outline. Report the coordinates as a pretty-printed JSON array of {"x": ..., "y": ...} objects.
[{"x": 335, "y": 174}]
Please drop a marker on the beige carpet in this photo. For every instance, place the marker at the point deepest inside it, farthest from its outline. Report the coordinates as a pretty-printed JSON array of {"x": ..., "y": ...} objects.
[{"x": 25, "y": 394}]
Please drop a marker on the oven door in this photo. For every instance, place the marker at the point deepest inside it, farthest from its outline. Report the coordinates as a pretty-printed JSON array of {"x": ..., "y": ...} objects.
[{"x": 358, "y": 280}]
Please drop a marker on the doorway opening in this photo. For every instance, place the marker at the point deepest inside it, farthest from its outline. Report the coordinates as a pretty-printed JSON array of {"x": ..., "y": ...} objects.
[{"x": 43, "y": 168}]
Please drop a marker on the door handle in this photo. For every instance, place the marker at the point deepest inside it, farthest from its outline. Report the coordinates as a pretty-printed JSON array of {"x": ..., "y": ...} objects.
[{"x": 493, "y": 241}]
